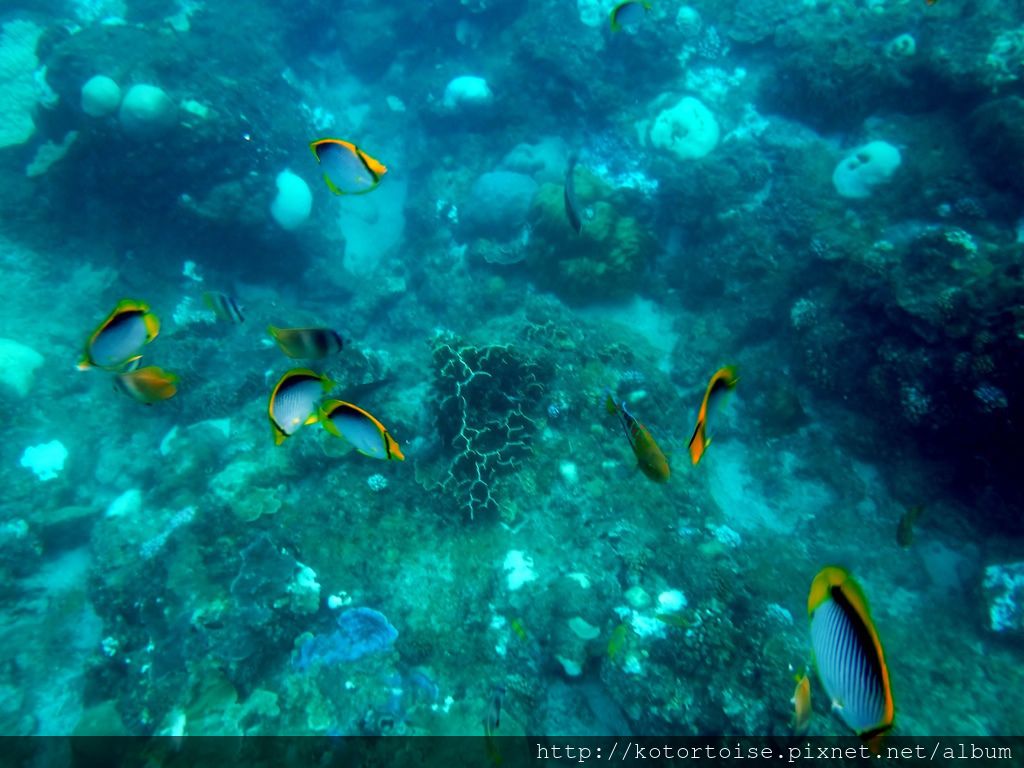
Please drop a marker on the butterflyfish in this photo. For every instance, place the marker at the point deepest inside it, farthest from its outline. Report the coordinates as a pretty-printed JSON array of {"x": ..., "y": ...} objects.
[
  {"x": 651, "y": 460},
  {"x": 347, "y": 169},
  {"x": 362, "y": 430},
  {"x": 628, "y": 14},
  {"x": 148, "y": 384},
  {"x": 801, "y": 702},
  {"x": 848, "y": 654},
  {"x": 723, "y": 380},
  {"x": 293, "y": 401},
  {"x": 572, "y": 205},
  {"x": 118, "y": 339},
  {"x": 224, "y": 307},
  {"x": 307, "y": 343}
]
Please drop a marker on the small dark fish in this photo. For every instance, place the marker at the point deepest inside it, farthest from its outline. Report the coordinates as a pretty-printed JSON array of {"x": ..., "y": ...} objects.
[
  {"x": 224, "y": 307},
  {"x": 572, "y": 205},
  {"x": 905, "y": 529},
  {"x": 307, "y": 343},
  {"x": 493, "y": 718}
]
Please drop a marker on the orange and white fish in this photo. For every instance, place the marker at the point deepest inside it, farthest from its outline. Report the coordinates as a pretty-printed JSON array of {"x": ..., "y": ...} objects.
[
  {"x": 347, "y": 169},
  {"x": 650, "y": 459},
  {"x": 848, "y": 654},
  {"x": 119, "y": 339},
  {"x": 148, "y": 385},
  {"x": 801, "y": 702},
  {"x": 723, "y": 380}
]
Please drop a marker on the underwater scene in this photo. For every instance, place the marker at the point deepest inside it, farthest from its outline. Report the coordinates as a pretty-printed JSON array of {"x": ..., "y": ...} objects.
[{"x": 488, "y": 368}]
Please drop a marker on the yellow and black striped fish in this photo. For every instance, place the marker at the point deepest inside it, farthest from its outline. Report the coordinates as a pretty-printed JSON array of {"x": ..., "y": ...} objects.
[
  {"x": 224, "y": 307},
  {"x": 307, "y": 343},
  {"x": 848, "y": 654}
]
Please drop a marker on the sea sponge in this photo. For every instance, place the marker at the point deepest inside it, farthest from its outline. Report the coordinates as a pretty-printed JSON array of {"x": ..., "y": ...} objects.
[
  {"x": 147, "y": 112},
  {"x": 467, "y": 91},
  {"x": 688, "y": 129},
  {"x": 864, "y": 169},
  {"x": 18, "y": 363},
  {"x": 293, "y": 202},
  {"x": 100, "y": 96}
]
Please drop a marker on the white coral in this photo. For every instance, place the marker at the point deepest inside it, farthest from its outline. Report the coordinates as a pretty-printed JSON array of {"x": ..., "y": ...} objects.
[{"x": 20, "y": 87}]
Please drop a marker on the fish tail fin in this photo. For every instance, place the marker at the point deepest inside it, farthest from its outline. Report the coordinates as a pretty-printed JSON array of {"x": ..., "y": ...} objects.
[
  {"x": 152, "y": 325},
  {"x": 393, "y": 450}
]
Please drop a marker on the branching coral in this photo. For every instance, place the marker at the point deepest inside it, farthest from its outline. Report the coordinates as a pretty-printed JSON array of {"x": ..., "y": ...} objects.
[{"x": 485, "y": 396}]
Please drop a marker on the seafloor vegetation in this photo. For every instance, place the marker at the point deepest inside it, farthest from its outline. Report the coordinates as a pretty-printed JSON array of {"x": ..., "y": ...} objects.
[{"x": 826, "y": 194}]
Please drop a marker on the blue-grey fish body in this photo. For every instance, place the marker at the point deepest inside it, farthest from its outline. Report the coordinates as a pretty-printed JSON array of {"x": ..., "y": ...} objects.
[{"x": 572, "y": 205}]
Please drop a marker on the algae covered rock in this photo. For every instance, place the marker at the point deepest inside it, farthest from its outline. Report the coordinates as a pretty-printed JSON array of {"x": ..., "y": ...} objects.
[
  {"x": 996, "y": 135},
  {"x": 605, "y": 261}
]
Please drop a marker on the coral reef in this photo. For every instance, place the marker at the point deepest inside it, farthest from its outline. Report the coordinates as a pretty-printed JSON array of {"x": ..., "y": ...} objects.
[
  {"x": 486, "y": 408},
  {"x": 605, "y": 262}
]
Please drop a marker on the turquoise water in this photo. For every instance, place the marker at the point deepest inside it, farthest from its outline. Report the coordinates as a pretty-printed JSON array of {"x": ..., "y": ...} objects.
[{"x": 827, "y": 195}]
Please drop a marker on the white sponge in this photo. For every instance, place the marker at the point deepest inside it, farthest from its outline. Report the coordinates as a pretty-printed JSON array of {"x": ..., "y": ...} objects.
[
  {"x": 467, "y": 91},
  {"x": 147, "y": 112},
  {"x": 688, "y": 129},
  {"x": 100, "y": 96},
  {"x": 45, "y": 459},
  {"x": 294, "y": 201},
  {"x": 866, "y": 168}
]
